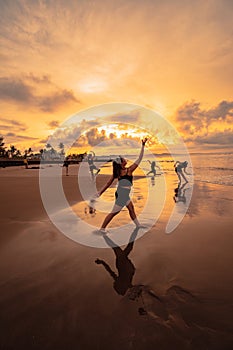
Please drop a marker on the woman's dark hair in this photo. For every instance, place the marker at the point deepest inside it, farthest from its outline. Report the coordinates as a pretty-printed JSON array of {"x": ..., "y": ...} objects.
[{"x": 117, "y": 167}]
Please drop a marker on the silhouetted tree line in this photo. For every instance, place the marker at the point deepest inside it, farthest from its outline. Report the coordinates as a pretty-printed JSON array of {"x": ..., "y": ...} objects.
[{"x": 48, "y": 153}]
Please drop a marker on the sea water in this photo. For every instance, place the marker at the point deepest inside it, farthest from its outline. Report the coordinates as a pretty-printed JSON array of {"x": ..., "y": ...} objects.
[{"x": 215, "y": 168}]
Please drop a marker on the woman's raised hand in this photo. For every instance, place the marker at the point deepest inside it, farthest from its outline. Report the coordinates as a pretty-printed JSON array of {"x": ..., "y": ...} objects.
[{"x": 144, "y": 141}]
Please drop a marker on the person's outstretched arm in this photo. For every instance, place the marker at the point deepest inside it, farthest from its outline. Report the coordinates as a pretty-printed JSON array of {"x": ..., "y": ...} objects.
[
  {"x": 107, "y": 268},
  {"x": 177, "y": 162},
  {"x": 138, "y": 161},
  {"x": 110, "y": 181},
  {"x": 186, "y": 172}
]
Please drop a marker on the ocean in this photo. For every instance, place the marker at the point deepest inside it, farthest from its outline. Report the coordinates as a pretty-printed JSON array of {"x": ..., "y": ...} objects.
[
  {"x": 211, "y": 168},
  {"x": 215, "y": 168}
]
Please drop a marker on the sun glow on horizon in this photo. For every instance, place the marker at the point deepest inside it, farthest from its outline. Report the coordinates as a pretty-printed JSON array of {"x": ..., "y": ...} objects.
[{"x": 120, "y": 131}]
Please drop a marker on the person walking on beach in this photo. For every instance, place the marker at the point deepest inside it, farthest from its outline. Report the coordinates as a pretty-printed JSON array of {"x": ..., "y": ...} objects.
[
  {"x": 66, "y": 165},
  {"x": 180, "y": 169},
  {"x": 125, "y": 181},
  {"x": 152, "y": 170},
  {"x": 92, "y": 166},
  {"x": 25, "y": 162}
]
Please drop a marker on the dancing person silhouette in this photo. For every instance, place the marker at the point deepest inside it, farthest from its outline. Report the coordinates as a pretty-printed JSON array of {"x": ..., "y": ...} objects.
[
  {"x": 92, "y": 166},
  {"x": 152, "y": 170},
  {"x": 125, "y": 182},
  {"x": 180, "y": 169}
]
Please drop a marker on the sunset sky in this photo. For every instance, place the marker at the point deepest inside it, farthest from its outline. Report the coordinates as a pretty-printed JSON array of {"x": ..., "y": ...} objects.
[{"x": 59, "y": 57}]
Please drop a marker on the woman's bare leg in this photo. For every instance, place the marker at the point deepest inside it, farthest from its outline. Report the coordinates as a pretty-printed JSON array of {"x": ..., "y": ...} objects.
[
  {"x": 115, "y": 210},
  {"x": 183, "y": 177},
  {"x": 132, "y": 213},
  {"x": 92, "y": 174},
  {"x": 178, "y": 174}
]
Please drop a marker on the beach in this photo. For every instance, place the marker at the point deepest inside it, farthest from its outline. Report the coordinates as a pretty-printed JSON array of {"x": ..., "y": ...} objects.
[{"x": 55, "y": 296}]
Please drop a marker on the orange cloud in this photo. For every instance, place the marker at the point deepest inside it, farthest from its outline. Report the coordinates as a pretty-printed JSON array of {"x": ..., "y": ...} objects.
[{"x": 206, "y": 126}]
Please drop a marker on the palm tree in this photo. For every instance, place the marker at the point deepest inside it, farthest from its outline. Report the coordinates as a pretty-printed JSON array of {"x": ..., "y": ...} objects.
[
  {"x": 42, "y": 151},
  {"x": 13, "y": 149},
  {"x": 48, "y": 146},
  {"x": 53, "y": 151},
  {"x": 61, "y": 146},
  {"x": 18, "y": 153},
  {"x": 2, "y": 149}
]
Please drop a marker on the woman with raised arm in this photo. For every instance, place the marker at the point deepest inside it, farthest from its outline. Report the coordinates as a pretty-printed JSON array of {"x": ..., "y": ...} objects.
[{"x": 125, "y": 182}]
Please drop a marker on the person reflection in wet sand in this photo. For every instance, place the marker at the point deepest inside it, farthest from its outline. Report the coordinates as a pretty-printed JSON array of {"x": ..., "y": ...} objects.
[
  {"x": 152, "y": 180},
  {"x": 180, "y": 193},
  {"x": 91, "y": 208},
  {"x": 125, "y": 267},
  {"x": 123, "y": 281},
  {"x": 168, "y": 311}
]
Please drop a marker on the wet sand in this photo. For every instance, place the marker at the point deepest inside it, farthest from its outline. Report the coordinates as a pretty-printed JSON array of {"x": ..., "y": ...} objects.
[{"x": 174, "y": 291}]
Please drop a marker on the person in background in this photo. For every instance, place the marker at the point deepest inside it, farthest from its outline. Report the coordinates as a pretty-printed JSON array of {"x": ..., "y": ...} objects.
[
  {"x": 66, "y": 165},
  {"x": 152, "y": 170},
  {"x": 25, "y": 162},
  {"x": 92, "y": 166},
  {"x": 180, "y": 169}
]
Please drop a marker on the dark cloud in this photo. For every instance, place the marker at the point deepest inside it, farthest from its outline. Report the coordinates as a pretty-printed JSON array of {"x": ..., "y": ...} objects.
[
  {"x": 44, "y": 79},
  {"x": 12, "y": 124},
  {"x": 87, "y": 133},
  {"x": 52, "y": 102},
  {"x": 219, "y": 138},
  {"x": 224, "y": 111},
  {"x": 199, "y": 127},
  {"x": 5, "y": 127},
  {"x": 68, "y": 133},
  {"x": 192, "y": 118},
  {"x": 53, "y": 124},
  {"x": 119, "y": 143},
  {"x": 112, "y": 136},
  {"x": 99, "y": 139},
  {"x": 15, "y": 90},
  {"x": 43, "y": 141},
  {"x": 81, "y": 142},
  {"x": 94, "y": 137},
  {"x": 19, "y": 137},
  {"x": 18, "y": 90},
  {"x": 130, "y": 118}
]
